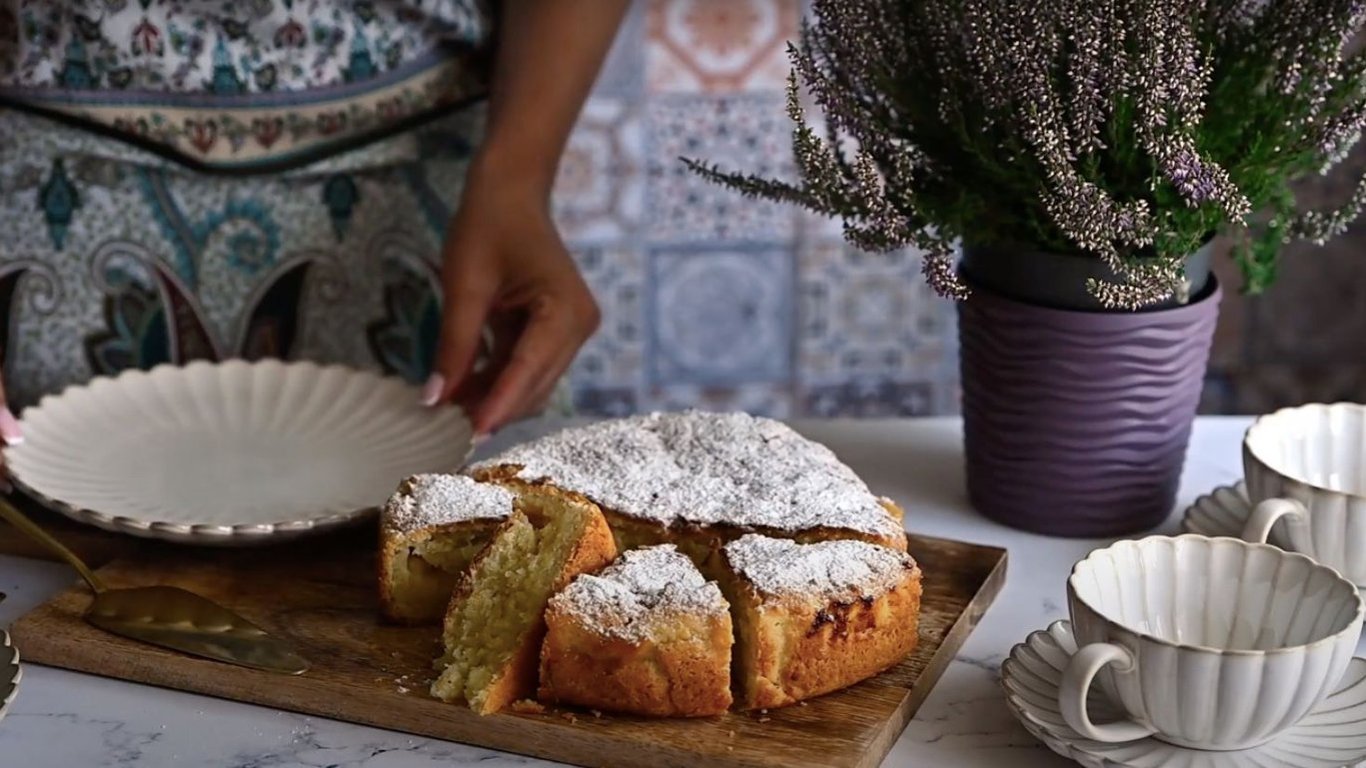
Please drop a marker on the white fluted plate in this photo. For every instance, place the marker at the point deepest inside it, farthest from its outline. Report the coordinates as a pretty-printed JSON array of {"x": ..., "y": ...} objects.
[
  {"x": 232, "y": 453},
  {"x": 1331, "y": 736},
  {"x": 1221, "y": 512},
  {"x": 10, "y": 672}
]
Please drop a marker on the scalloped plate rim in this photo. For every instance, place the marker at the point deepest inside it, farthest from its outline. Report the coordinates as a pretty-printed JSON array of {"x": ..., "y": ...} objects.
[
  {"x": 1074, "y": 747},
  {"x": 243, "y": 534},
  {"x": 12, "y": 674}
]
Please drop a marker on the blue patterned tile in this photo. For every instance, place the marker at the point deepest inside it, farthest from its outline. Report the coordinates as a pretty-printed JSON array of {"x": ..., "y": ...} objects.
[
  {"x": 614, "y": 357},
  {"x": 720, "y": 316},
  {"x": 871, "y": 398},
  {"x": 742, "y": 132},
  {"x": 866, "y": 315}
]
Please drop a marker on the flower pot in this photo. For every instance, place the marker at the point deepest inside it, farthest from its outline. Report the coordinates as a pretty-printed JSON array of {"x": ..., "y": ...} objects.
[{"x": 1076, "y": 421}]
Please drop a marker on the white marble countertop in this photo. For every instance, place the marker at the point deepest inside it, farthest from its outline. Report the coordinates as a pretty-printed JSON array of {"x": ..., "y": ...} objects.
[{"x": 67, "y": 720}]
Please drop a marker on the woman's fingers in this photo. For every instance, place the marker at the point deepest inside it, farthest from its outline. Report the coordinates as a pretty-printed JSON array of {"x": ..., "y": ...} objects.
[
  {"x": 468, "y": 296},
  {"x": 546, "y": 348}
]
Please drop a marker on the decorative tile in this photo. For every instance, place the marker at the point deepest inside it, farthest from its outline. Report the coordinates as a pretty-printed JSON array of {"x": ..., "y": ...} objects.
[
  {"x": 870, "y": 398},
  {"x": 614, "y": 358},
  {"x": 748, "y": 133},
  {"x": 599, "y": 193},
  {"x": 869, "y": 317},
  {"x": 720, "y": 317},
  {"x": 719, "y": 45},
  {"x": 771, "y": 400}
]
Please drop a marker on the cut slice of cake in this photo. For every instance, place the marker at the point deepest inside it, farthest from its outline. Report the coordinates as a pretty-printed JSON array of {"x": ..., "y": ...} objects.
[
  {"x": 430, "y": 531},
  {"x": 814, "y": 618},
  {"x": 495, "y": 622},
  {"x": 648, "y": 635}
]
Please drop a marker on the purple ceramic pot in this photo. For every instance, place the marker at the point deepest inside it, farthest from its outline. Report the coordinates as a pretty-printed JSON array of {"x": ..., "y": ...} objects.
[{"x": 1076, "y": 422}]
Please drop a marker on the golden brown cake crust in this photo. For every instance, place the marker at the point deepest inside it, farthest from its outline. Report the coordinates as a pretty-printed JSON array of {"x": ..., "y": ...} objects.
[
  {"x": 796, "y": 647},
  {"x": 648, "y": 636}
]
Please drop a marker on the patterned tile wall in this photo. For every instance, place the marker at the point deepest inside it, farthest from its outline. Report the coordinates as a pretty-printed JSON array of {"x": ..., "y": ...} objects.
[
  {"x": 710, "y": 299},
  {"x": 713, "y": 300}
]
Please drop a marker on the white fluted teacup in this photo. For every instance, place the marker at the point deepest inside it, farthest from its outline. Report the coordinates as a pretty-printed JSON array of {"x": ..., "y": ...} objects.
[
  {"x": 1306, "y": 477},
  {"x": 1206, "y": 643}
]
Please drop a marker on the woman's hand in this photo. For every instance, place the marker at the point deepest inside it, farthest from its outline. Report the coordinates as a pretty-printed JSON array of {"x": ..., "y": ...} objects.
[{"x": 505, "y": 266}]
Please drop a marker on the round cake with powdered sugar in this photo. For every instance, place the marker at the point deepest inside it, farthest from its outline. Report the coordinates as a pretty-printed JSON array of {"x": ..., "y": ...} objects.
[
  {"x": 648, "y": 635},
  {"x": 700, "y": 479},
  {"x": 758, "y": 570},
  {"x": 814, "y": 618}
]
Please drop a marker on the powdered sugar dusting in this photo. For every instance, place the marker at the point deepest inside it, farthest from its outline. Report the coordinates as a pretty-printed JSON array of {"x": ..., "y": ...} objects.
[
  {"x": 832, "y": 570},
  {"x": 703, "y": 468},
  {"x": 643, "y": 587},
  {"x": 426, "y": 500}
]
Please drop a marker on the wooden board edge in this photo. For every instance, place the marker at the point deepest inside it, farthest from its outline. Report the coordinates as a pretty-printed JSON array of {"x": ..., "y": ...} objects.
[{"x": 939, "y": 663}]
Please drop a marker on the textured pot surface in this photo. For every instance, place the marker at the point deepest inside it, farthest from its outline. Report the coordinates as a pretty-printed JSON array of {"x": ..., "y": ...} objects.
[{"x": 1076, "y": 423}]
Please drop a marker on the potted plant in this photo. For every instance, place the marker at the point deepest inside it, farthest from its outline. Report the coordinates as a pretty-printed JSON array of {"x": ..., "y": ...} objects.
[{"x": 1084, "y": 153}]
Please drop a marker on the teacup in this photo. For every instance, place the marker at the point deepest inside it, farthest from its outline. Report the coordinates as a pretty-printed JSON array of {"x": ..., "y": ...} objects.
[
  {"x": 1306, "y": 477},
  {"x": 1206, "y": 643}
]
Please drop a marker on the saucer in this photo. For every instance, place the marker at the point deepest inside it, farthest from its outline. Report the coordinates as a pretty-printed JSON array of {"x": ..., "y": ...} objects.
[
  {"x": 10, "y": 672},
  {"x": 1331, "y": 736},
  {"x": 1221, "y": 512}
]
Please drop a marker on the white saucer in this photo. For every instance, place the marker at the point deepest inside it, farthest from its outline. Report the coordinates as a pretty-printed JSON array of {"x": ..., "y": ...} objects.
[
  {"x": 10, "y": 672},
  {"x": 1331, "y": 736},
  {"x": 1221, "y": 512}
]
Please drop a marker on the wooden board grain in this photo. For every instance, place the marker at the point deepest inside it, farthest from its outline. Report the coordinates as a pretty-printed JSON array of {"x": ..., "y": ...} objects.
[{"x": 322, "y": 598}]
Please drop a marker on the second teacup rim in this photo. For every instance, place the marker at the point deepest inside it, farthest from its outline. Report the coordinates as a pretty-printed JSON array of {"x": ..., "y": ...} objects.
[
  {"x": 1261, "y": 421},
  {"x": 1357, "y": 615}
]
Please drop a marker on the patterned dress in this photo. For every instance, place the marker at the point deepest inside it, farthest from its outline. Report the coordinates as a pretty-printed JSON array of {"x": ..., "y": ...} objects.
[{"x": 197, "y": 179}]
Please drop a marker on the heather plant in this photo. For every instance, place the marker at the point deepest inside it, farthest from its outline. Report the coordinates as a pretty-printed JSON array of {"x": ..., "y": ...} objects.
[{"x": 1132, "y": 131}]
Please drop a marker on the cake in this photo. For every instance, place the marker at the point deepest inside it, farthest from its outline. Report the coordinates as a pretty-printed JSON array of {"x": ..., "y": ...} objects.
[
  {"x": 493, "y": 627},
  {"x": 648, "y": 635},
  {"x": 814, "y": 618},
  {"x": 699, "y": 479},
  {"x": 430, "y": 531}
]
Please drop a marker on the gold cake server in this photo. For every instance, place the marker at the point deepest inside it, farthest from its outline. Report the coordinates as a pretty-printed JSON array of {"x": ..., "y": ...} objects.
[{"x": 169, "y": 616}]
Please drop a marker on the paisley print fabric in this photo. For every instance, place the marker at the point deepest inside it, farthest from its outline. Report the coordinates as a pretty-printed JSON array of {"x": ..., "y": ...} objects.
[
  {"x": 250, "y": 84},
  {"x": 113, "y": 258}
]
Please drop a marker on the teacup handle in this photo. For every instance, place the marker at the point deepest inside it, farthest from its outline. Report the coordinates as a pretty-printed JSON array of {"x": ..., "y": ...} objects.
[
  {"x": 1267, "y": 513},
  {"x": 1076, "y": 681}
]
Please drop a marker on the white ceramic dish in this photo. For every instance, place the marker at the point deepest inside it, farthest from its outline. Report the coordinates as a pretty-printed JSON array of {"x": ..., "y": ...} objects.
[
  {"x": 1306, "y": 476},
  {"x": 233, "y": 453},
  {"x": 1221, "y": 512},
  {"x": 10, "y": 673},
  {"x": 1209, "y": 643},
  {"x": 1330, "y": 736}
]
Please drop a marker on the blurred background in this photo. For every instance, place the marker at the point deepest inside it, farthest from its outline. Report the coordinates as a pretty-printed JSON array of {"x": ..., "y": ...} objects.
[{"x": 717, "y": 301}]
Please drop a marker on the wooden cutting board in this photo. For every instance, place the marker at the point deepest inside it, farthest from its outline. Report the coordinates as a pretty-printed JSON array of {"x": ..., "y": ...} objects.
[{"x": 322, "y": 598}]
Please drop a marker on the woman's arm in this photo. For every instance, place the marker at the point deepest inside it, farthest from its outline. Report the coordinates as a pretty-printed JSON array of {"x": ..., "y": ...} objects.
[{"x": 503, "y": 254}]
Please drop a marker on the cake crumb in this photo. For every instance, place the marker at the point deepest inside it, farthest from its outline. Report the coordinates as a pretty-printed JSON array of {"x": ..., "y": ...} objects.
[
  {"x": 731, "y": 733},
  {"x": 528, "y": 707},
  {"x": 569, "y": 716},
  {"x": 730, "y": 748},
  {"x": 765, "y": 719},
  {"x": 595, "y": 713}
]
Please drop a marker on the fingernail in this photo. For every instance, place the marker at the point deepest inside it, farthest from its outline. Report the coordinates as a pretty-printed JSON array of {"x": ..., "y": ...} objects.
[
  {"x": 9, "y": 428},
  {"x": 480, "y": 438},
  {"x": 431, "y": 391}
]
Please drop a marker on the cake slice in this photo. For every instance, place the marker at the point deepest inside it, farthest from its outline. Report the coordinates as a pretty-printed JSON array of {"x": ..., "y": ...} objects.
[
  {"x": 495, "y": 622},
  {"x": 814, "y": 618},
  {"x": 648, "y": 635},
  {"x": 430, "y": 531}
]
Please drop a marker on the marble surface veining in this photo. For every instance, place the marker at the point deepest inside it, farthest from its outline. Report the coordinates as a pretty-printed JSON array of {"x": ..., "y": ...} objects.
[{"x": 68, "y": 720}]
